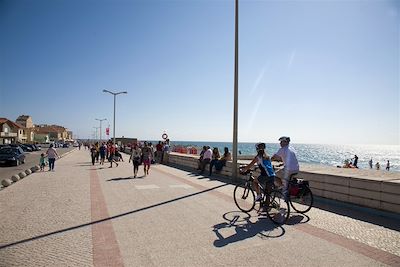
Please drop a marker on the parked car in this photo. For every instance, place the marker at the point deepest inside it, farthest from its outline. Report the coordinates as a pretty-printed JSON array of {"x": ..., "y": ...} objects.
[
  {"x": 33, "y": 147},
  {"x": 66, "y": 145},
  {"x": 25, "y": 148},
  {"x": 38, "y": 147},
  {"x": 12, "y": 156}
]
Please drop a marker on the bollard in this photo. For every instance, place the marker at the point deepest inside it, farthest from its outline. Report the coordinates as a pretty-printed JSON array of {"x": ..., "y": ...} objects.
[
  {"x": 33, "y": 169},
  {"x": 15, "y": 178},
  {"x": 6, "y": 182},
  {"x": 27, "y": 172},
  {"x": 22, "y": 175}
]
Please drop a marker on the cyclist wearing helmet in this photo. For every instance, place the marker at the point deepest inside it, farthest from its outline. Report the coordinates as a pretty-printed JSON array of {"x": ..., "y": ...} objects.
[
  {"x": 287, "y": 155},
  {"x": 267, "y": 172}
]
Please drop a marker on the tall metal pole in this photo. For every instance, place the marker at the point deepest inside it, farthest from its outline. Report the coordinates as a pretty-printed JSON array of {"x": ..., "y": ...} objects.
[
  {"x": 236, "y": 93},
  {"x": 115, "y": 96}
]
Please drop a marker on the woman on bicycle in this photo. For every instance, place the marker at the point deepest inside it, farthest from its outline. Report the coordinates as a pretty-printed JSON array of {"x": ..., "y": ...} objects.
[{"x": 267, "y": 172}]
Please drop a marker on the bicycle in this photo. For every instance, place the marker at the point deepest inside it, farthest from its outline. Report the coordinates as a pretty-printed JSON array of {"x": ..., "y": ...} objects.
[
  {"x": 300, "y": 195},
  {"x": 272, "y": 201}
]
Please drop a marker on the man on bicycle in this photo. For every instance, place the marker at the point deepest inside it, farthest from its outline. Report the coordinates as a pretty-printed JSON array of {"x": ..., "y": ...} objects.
[
  {"x": 287, "y": 155},
  {"x": 267, "y": 172}
]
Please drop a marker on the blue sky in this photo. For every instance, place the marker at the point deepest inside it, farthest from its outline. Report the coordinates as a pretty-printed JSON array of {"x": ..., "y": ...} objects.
[{"x": 318, "y": 71}]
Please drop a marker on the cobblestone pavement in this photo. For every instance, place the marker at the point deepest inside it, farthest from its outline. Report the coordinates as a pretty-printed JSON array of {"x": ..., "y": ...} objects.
[{"x": 82, "y": 215}]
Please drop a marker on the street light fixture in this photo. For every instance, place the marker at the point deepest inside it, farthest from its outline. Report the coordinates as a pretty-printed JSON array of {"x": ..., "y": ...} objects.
[
  {"x": 100, "y": 127},
  {"x": 114, "y": 94}
]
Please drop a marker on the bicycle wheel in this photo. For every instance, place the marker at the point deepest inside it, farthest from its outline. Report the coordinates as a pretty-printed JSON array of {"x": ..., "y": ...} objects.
[
  {"x": 244, "y": 197},
  {"x": 303, "y": 201},
  {"x": 278, "y": 209}
]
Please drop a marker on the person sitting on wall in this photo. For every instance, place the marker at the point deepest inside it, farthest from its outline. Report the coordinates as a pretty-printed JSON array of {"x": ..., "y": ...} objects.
[
  {"x": 225, "y": 157},
  {"x": 201, "y": 157},
  {"x": 207, "y": 156},
  {"x": 214, "y": 158}
]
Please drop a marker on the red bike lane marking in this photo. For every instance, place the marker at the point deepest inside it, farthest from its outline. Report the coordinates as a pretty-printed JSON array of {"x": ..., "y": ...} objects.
[
  {"x": 353, "y": 245},
  {"x": 105, "y": 246}
]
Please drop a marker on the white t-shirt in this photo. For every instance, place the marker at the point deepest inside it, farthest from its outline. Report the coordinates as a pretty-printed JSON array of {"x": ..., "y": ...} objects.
[
  {"x": 208, "y": 154},
  {"x": 289, "y": 158}
]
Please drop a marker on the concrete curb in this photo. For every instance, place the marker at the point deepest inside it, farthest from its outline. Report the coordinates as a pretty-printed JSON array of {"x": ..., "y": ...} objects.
[{"x": 16, "y": 177}]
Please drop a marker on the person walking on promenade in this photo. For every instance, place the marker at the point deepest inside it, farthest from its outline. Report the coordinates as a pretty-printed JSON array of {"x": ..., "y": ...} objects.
[
  {"x": 103, "y": 151},
  {"x": 214, "y": 158},
  {"x": 93, "y": 153},
  {"x": 370, "y": 163},
  {"x": 97, "y": 146},
  {"x": 51, "y": 155},
  {"x": 166, "y": 150},
  {"x": 388, "y": 165},
  {"x": 111, "y": 154},
  {"x": 79, "y": 145},
  {"x": 42, "y": 162},
  {"x": 287, "y": 155},
  {"x": 147, "y": 156},
  {"x": 136, "y": 154},
  {"x": 159, "y": 151},
  {"x": 377, "y": 165},
  {"x": 355, "y": 162}
]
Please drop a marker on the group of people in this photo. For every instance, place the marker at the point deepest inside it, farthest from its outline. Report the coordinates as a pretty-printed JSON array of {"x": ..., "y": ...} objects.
[
  {"x": 139, "y": 153},
  {"x": 213, "y": 158},
  {"x": 51, "y": 155},
  {"x": 353, "y": 163},
  {"x": 99, "y": 153},
  {"x": 378, "y": 166}
]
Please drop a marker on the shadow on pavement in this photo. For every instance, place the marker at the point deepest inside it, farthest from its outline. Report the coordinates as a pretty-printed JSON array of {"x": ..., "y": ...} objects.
[
  {"x": 297, "y": 218},
  {"x": 125, "y": 178},
  {"x": 109, "y": 218},
  {"x": 244, "y": 228}
]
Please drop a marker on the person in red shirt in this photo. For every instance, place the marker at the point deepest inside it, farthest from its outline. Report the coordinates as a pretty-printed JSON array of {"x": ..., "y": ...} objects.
[{"x": 111, "y": 154}]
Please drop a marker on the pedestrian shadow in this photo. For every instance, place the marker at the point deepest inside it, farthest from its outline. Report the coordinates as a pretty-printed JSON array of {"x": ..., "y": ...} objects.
[
  {"x": 244, "y": 227},
  {"x": 125, "y": 178}
]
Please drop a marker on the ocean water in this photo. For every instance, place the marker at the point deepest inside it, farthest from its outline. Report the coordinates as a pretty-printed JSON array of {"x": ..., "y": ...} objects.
[{"x": 330, "y": 155}]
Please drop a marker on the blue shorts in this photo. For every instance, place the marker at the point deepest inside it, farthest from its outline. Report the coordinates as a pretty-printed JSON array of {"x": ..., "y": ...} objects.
[{"x": 263, "y": 179}]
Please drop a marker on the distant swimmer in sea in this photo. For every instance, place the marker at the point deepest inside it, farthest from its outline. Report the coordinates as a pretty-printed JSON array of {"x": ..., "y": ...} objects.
[
  {"x": 370, "y": 163},
  {"x": 377, "y": 166},
  {"x": 388, "y": 165}
]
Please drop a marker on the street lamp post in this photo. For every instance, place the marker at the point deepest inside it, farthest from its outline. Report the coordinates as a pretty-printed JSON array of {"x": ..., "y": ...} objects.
[
  {"x": 114, "y": 94},
  {"x": 235, "y": 101},
  {"x": 100, "y": 127}
]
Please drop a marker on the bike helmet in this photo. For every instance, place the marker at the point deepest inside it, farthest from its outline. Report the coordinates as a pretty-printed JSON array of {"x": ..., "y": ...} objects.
[
  {"x": 260, "y": 146},
  {"x": 285, "y": 138}
]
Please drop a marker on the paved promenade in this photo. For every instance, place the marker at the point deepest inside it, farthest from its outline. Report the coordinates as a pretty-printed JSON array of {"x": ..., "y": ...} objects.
[{"x": 82, "y": 215}]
